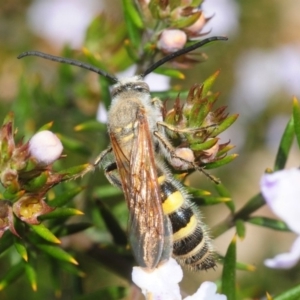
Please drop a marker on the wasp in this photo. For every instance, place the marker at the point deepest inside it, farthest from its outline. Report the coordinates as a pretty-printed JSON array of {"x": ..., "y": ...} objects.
[{"x": 162, "y": 220}]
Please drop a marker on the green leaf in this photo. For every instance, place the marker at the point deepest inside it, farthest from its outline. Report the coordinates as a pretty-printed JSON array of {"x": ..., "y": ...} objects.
[
  {"x": 11, "y": 275},
  {"x": 224, "y": 150},
  {"x": 170, "y": 73},
  {"x": 57, "y": 253},
  {"x": 224, "y": 192},
  {"x": 132, "y": 13},
  {"x": 292, "y": 294},
  {"x": 200, "y": 110},
  {"x": 210, "y": 200},
  {"x": 47, "y": 126},
  {"x": 118, "y": 234},
  {"x": 37, "y": 182},
  {"x": 240, "y": 228},
  {"x": 74, "y": 145},
  {"x": 204, "y": 146},
  {"x": 133, "y": 22},
  {"x": 45, "y": 233},
  {"x": 296, "y": 116},
  {"x": 31, "y": 275},
  {"x": 239, "y": 265},
  {"x": 91, "y": 125},
  {"x": 196, "y": 3},
  {"x": 64, "y": 198},
  {"x": 72, "y": 269},
  {"x": 72, "y": 228},
  {"x": 185, "y": 21},
  {"x": 21, "y": 249},
  {"x": 107, "y": 191},
  {"x": 225, "y": 124},
  {"x": 228, "y": 274},
  {"x": 62, "y": 212},
  {"x": 208, "y": 83},
  {"x": 251, "y": 206},
  {"x": 245, "y": 267},
  {"x": 224, "y": 161},
  {"x": 6, "y": 241},
  {"x": 285, "y": 145},
  {"x": 270, "y": 223}
]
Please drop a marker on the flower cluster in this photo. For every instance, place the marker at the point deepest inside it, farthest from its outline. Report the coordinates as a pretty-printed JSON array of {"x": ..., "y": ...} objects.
[
  {"x": 180, "y": 21},
  {"x": 194, "y": 128},
  {"x": 162, "y": 283},
  {"x": 26, "y": 175}
]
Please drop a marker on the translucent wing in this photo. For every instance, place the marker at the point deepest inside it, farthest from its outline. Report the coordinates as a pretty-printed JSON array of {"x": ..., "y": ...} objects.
[{"x": 149, "y": 229}]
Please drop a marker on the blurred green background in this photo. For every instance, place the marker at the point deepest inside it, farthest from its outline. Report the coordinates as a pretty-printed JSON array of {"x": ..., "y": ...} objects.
[{"x": 260, "y": 72}]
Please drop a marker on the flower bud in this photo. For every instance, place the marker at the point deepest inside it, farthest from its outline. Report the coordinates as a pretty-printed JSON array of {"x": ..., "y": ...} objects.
[
  {"x": 198, "y": 25},
  {"x": 171, "y": 40},
  {"x": 209, "y": 155},
  {"x": 45, "y": 147},
  {"x": 184, "y": 158}
]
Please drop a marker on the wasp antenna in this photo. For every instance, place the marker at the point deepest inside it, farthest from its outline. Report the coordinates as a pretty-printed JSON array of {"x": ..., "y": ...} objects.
[
  {"x": 69, "y": 61},
  {"x": 183, "y": 51}
]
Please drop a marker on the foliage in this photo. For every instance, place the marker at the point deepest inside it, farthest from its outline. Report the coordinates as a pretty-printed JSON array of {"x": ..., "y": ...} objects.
[{"x": 53, "y": 196}]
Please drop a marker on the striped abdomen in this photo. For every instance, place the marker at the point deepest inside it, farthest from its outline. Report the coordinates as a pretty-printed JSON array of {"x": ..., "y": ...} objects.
[{"x": 191, "y": 243}]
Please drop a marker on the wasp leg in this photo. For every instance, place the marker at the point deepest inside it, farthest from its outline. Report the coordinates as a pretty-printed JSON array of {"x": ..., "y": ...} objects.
[
  {"x": 183, "y": 130},
  {"x": 109, "y": 167},
  {"x": 100, "y": 157},
  {"x": 112, "y": 175},
  {"x": 171, "y": 151}
]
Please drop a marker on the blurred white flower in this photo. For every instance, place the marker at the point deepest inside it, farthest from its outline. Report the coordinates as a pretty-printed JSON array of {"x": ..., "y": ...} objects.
[
  {"x": 281, "y": 191},
  {"x": 226, "y": 17},
  {"x": 162, "y": 283},
  {"x": 261, "y": 74},
  {"x": 207, "y": 291},
  {"x": 45, "y": 147},
  {"x": 101, "y": 113},
  {"x": 156, "y": 82},
  {"x": 285, "y": 260},
  {"x": 172, "y": 40},
  {"x": 62, "y": 21}
]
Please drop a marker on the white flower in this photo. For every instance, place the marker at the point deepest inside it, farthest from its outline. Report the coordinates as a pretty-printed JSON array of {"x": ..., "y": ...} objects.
[
  {"x": 207, "y": 291},
  {"x": 162, "y": 283},
  {"x": 45, "y": 147},
  {"x": 281, "y": 191}
]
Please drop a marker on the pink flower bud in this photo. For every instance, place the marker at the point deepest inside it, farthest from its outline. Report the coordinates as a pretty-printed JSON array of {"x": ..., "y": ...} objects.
[
  {"x": 198, "y": 25},
  {"x": 184, "y": 158},
  {"x": 172, "y": 40},
  {"x": 45, "y": 147}
]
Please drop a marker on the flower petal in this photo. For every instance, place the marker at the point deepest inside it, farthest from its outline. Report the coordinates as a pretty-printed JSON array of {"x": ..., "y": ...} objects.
[
  {"x": 162, "y": 283},
  {"x": 207, "y": 291},
  {"x": 281, "y": 191},
  {"x": 285, "y": 260}
]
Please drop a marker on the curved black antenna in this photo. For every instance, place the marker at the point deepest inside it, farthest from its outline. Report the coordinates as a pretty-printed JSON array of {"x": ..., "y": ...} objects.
[
  {"x": 69, "y": 61},
  {"x": 181, "y": 52}
]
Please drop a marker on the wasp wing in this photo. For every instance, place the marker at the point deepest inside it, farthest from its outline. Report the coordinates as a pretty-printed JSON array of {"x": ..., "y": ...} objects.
[{"x": 149, "y": 229}]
